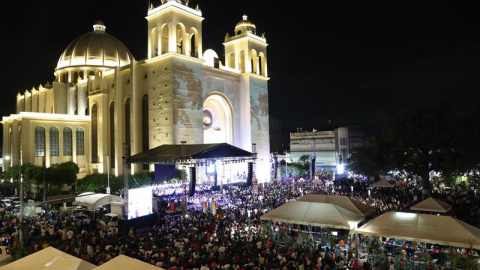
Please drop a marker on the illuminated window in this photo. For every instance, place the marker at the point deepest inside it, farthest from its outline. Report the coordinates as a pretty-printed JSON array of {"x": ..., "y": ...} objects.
[
  {"x": 80, "y": 141},
  {"x": 112, "y": 135},
  {"x": 207, "y": 118},
  {"x": 94, "y": 133},
  {"x": 67, "y": 141},
  {"x": 39, "y": 141},
  {"x": 145, "y": 144},
  {"x": 54, "y": 142},
  {"x": 127, "y": 127}
]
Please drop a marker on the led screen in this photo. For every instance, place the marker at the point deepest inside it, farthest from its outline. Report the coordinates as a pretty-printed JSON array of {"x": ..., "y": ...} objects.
[{"x": 139, "y": 202}]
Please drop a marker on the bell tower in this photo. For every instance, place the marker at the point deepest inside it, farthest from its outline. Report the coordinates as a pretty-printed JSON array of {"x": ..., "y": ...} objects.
[
  {"x": 174, "y": 27},
  {"x": 245, "y": 51}
]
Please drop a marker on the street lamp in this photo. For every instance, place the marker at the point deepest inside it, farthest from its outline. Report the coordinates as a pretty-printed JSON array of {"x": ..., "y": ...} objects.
[{"x": 108, "y": 175}]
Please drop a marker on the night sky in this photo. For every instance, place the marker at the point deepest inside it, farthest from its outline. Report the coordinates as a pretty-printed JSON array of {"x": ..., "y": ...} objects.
[{"x": 331, "y": 65}]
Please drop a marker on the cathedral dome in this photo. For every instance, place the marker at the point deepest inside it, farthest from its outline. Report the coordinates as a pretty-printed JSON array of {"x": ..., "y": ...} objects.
[
  {"x": 96, "y": 48},
  {"x": 183, "y": 2},
  {"x": 244, "y": 26}
]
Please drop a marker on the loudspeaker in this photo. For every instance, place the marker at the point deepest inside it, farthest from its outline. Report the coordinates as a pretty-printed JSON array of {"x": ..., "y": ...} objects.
[
  {"x": 249, "y": 173},
  {"x": 193, "y": 177},
  {"x": 313, "y": 168}
]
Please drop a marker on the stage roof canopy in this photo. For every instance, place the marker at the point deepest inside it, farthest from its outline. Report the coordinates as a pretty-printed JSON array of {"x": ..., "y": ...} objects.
[{"x": 171, "y": 153}]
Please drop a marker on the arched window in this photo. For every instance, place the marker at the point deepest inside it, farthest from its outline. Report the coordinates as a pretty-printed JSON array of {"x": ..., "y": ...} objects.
[
  {"x": 75, "y": 77},
  {"x": 241, "y": 62},
  {"x": 112, "y": 135},
  {"x": 164, "y": 45},
  {"x": 254, "y": 61},
  {"x": 231, "y": 60},
  {"x": 80, "y": 135},
  {"x": 127, "y": 128},
  {"x": 154, "y": 42},
  {"x": 39, "y": 141},
  {"x": 263, "y": 65},
  {"x": 193, "y": 42},
  {"x": 180, "y": 40},
  {"x": 145, "y": 141},
  {"x": 94, "y": 133},
  {"x": 10, "y": 140},
  {"x": 67, "y": 141},
  {"x": 54, "y": 142}
]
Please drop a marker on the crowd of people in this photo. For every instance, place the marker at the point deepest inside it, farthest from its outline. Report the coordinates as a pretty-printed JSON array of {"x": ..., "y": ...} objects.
[{"x": 232, "y": 236}]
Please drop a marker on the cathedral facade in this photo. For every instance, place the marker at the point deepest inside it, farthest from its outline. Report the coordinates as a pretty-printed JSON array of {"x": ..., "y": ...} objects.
[{"x": 104, "y": 104}]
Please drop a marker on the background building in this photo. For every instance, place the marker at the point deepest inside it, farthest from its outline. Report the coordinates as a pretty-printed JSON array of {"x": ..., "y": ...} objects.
[
  {"x": 104, "y": 104},
  {"x": 329, "y": 147}
]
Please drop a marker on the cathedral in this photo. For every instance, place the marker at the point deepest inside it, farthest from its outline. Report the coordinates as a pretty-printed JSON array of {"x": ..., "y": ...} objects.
[{"x": 104, "y": 104}]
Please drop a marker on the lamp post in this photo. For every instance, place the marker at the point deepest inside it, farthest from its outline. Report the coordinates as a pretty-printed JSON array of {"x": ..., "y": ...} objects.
[{"x": 108, "y": 175}]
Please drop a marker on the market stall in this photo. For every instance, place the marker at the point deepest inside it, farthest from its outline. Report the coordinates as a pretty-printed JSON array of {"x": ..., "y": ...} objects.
[
  {"x": 49, "y": 258},
  {"x": 346, "y": 202},
  {"x": 431, "y": 204},
  {"x": 433, "y": 229},
  {"x": 312, "y": 222}
]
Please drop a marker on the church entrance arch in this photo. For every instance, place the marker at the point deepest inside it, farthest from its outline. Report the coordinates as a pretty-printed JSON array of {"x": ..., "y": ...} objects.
[{"x": 217, "y": 119}]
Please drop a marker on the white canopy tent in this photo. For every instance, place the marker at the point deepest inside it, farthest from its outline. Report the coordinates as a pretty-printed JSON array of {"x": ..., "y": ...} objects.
[
  {"x": 342, "y": 201},
  {"x": 431, "y": 204},
  {"x": 433, "y": 229},
  {"x": 314, "y": 214},
  {"x": 122, "y": 262},
  {"x": 382, "y": 183},
  {"x": 49, "y": 258},
  {"x": 94, "y": 201}
]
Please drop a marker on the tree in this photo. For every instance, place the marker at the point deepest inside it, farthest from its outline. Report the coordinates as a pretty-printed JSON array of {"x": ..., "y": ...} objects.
[
  {"x": 304, "y": 160},
  {"x": 420, "y": 141},
  {"x": 27, "y": 170},
  {"x": 34, "y": 174},
  {"x": 62, "y": 174},
  {"x": 368, "y": 160},
  {"x": 12, "y": 172},
  {"x": 98, "y": 182}
]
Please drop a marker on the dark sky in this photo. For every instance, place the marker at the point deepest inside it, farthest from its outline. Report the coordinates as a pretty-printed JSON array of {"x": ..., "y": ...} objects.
[{"x": 335, "y": 63}]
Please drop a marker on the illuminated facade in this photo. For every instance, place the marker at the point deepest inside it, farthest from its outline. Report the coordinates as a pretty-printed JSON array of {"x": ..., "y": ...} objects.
[
  {"x": 104, "y": 104},
  {"x": 329, "y": 147}
]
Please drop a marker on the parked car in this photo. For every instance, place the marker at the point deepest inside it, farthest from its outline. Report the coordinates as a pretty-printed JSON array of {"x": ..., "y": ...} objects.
[
  {"x": 110, "y": 220},
  {"x": 7, "y": 202}
]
